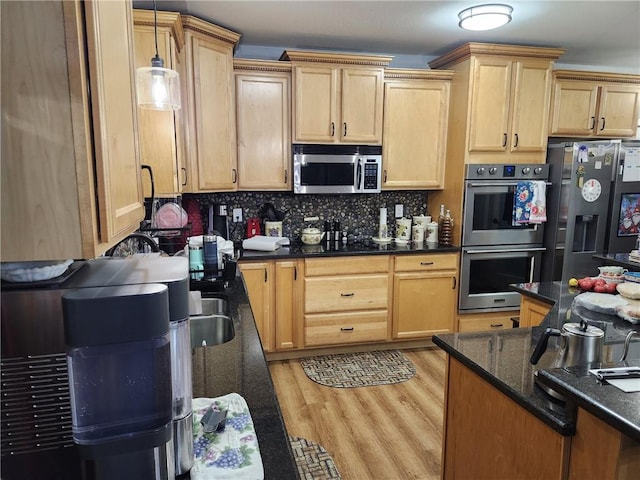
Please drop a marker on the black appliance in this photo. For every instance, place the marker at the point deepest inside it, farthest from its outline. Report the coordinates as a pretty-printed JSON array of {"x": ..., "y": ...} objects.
[
  {"x": 219, "y": 220},
  {"x": 35, "y": 430}
]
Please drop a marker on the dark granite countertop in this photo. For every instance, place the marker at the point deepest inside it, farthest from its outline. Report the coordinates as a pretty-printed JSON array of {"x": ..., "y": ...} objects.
[
  {"x": 240, "y": 366},
  {"x": 502, "y": 358},
  {"x": 619, "y": 259},
  {"x": 333, "y": 249}
]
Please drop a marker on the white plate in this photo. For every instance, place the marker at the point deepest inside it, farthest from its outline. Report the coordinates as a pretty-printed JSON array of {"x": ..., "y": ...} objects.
[
  {"x": 381, "y": 240},
  {"x": 33, "y": 271},
  {"x": 400, "y": 241}
]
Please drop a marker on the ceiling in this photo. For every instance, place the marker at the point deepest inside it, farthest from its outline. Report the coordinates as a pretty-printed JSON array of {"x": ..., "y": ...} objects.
[{"x": 598, "y": 35}]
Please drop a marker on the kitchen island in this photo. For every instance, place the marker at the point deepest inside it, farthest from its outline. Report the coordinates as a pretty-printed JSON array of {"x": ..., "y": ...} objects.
[{"x": 495, "y": 410}]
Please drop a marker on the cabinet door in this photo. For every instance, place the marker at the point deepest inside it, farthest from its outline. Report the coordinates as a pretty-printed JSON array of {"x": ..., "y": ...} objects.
[
  {"x": 288, "y": 320},
  {"x": 532, "y": 312},
  {"x": 530, "y": 106},
  {"x": 490, "y": 95},
  {"x": 618, "y": 111},
  {"x": 423, "y": 304},
  {"x": 574, "y": 108},
  {"x": 361, "y": 107},
  {"x": 315, "y": 104},
  {"x": 111, "y": 73},
  {"x": 264, "y": 131},
  {"x": 214, "y": 149},
  {"x": 157, "y": 128},
  {"x": 258, "y": 279},
  {"x": 415, "y": 134}
]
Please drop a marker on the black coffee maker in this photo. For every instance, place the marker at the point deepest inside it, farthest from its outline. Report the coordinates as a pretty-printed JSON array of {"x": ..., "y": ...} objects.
[{"x": 219, "y": 220}]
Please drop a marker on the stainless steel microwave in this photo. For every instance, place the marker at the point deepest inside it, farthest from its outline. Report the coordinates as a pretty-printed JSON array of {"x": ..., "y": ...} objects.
[{"x": 336, "y": 169}]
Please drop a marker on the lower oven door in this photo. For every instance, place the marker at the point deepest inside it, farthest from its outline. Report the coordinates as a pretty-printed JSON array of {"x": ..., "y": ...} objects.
[{"x": 487, "y": 272}]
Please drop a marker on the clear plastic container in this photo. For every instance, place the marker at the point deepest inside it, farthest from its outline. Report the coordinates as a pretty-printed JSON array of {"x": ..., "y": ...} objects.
[{"x": 119, "y": 390}]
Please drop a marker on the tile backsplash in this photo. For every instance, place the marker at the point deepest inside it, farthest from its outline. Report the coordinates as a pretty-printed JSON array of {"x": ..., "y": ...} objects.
[{"x": 358, "y": 214}]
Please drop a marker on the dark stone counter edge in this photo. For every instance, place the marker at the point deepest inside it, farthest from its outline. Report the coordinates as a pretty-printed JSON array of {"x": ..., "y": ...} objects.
[
  {"x": 533, "y": 294},
  {"x": 580, "y": 399},
  {"x": 295, "y": 251},
  {"x": 564, "y": 428}
]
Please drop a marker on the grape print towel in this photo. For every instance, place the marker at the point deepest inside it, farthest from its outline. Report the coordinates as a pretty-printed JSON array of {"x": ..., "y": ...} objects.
[{"x": 232, "y": 453}]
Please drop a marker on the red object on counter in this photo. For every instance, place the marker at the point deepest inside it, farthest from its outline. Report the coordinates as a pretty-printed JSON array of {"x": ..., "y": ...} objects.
[{"x": 253, "y": 227}]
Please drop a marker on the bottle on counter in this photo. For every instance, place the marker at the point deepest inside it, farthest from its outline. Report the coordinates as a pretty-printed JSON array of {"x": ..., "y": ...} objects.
[
  {"x": 440, "y": 217},
  {"x": 445, "y": 231}
]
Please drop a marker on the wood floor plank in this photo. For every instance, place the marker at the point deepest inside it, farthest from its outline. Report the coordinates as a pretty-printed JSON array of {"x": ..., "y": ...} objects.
[{"x": 382, "y": 432}]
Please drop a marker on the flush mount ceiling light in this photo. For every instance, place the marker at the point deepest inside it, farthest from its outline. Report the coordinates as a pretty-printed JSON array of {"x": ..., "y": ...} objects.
[
  {"x": 485, "y": 17},
  {"x": 158, "y": 88}
]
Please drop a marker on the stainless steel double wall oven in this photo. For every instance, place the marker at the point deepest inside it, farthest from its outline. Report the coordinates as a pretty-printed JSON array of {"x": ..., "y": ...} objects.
[{"x": 496, "y": 251}]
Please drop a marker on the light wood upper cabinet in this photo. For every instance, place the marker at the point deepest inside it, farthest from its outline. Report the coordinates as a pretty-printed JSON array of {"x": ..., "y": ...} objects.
[
  {"x": 71, "y": 183},
  {"x": 416, "y": 113},
  {"x": 161, "y": 132},
  {"x": 509, "y": 105},
  {"x": 499, "y": 103},
  {"x": 337, "y": 98},
  {"x": 263, "y": 115},
  {"x": 594, "y": 104},
  {"x": 210, "y": 107}
]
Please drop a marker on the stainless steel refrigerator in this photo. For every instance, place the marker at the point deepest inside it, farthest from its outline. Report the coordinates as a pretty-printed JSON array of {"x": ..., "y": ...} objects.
[
  {"x": 578, "y": 205},
  {"x": 624, "y": 220}
]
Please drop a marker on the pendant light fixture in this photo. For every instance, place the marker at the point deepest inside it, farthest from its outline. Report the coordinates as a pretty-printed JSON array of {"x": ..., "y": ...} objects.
[
  {"x": 158, "y": 88},
  {"x": 485, "y": 17}
]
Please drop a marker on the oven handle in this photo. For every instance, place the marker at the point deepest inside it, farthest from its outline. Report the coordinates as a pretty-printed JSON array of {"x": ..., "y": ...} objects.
[
  {"x": 496, "y": 184},
  {"x": 508, "y": 250}
]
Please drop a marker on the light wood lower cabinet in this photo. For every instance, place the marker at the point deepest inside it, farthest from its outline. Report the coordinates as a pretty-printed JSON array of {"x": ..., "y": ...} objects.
[
  {"x": 476, "y": 322},
  {"x": 600, "y": 451},
  {"x": 425, "y": 294},
  {"x": 273, "y": 289},
  {"x": 532, "y": 311},
  {"x": 488, "y": 435},
  {"x": 346, "y": 300}
]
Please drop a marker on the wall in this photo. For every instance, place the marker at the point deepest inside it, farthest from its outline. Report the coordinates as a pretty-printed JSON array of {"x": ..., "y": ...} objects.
[{"x": 357, "y": 214}]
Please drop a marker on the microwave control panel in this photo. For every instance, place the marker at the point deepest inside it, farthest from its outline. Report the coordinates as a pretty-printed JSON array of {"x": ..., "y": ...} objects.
[{"x": 370, "y": 175}]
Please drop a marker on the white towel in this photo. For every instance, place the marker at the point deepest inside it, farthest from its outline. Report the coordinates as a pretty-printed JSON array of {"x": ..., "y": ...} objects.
[
  {"x": 232, "y": 454},
  {"x": 264, "y": 244},
  {"x": 538, "y": 202}
]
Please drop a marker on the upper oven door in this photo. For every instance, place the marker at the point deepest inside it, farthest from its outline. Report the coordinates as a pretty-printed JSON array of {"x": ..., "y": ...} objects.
[
  {"x": 319, "y": 173},
  {"x": 488, "y": 216}
]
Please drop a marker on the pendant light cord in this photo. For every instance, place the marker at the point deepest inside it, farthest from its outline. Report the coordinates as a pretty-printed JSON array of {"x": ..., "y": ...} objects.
[{"x": 155, "y": 25}]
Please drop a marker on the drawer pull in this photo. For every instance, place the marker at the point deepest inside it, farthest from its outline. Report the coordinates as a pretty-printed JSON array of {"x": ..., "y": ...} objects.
[
  {"x": 346, "y": 329},
  {"x": 425, "y": 264},
  {"x": 347, "y": 294},
  {"x": 496, "y": 325}
]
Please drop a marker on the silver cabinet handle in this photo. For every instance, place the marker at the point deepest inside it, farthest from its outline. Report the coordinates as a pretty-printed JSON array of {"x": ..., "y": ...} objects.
[
  {"x": 602, "y": 128},
  {"x": 184, "y": 183},
  {"x": 593, "y": 123},
  {"x": 235, "y": 175}
]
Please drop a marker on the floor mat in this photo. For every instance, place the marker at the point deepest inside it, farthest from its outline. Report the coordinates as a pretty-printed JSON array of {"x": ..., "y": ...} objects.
[
  {"x": 313, "y": 461},
  {"x": 363, "y": 369}
]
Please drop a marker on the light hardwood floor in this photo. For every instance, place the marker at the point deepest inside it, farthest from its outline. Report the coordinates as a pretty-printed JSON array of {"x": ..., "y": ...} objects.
[{"x": 383, "y": 432}]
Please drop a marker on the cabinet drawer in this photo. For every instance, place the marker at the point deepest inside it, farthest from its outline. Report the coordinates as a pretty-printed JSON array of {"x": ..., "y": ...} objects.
[
  {"x": 346, "y": 265},
  {"x": 412, "y": 263},
  {"x": 483, "y": 324},
  {"x": 345, "y": 293},
  {"x": 342, "y": 328}
]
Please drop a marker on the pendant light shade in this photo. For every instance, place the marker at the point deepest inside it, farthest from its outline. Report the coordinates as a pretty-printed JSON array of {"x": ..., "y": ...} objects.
[
  {"x": 157, "y": 88},
  {"x": 485, "y": 17}
]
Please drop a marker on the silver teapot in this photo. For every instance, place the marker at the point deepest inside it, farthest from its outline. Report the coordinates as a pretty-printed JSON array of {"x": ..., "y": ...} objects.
[{"x": 581, "y": 344}]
